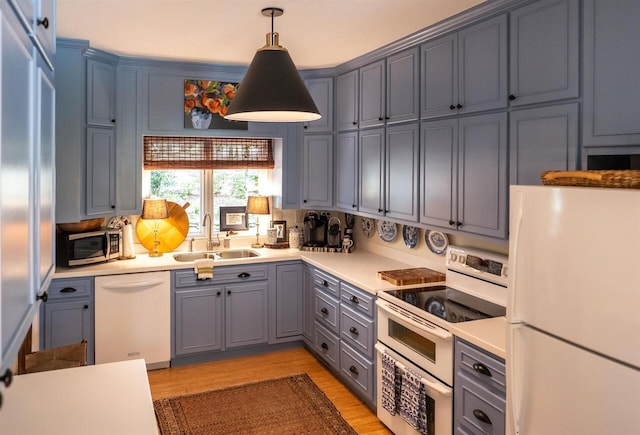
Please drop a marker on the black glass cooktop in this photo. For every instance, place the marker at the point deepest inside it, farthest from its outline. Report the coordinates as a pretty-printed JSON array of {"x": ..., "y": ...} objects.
[{"x": 449, "y": 304}]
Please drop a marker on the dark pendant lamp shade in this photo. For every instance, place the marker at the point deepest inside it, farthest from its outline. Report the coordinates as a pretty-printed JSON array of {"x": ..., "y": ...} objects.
[{"x": 272, "y": 89}]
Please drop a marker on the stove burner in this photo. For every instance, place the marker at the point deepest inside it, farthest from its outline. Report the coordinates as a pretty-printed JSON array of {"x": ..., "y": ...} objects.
[{"x": 448, "y": 304}]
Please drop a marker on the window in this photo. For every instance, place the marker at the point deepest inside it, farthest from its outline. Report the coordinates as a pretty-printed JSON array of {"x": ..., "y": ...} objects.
[{"x": 207, "y": 173}]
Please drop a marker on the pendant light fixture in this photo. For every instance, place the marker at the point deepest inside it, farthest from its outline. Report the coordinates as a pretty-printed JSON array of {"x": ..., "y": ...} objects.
[{"x": 272, "y": 89}]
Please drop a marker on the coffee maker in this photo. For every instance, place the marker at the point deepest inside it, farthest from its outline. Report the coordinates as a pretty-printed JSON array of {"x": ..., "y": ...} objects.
[
  {"x": 315, "y": 229},
  {"x": 334, "y": 238}
]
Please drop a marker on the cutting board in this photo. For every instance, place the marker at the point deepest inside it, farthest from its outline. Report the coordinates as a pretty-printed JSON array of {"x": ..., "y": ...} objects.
[
  {"x": 171, "y": 231},
  {"x": 418, "y": 275}
]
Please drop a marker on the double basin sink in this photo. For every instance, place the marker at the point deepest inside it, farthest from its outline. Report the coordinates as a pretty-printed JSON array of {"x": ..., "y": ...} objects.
[{"x": 216, "y": 255}]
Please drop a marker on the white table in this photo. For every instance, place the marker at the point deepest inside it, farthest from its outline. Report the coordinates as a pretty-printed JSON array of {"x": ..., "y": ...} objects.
[{"x": 102, "y": 399}]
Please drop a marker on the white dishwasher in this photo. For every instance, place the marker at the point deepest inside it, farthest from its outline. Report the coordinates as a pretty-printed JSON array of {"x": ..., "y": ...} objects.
[{"x": 133, "y": 318}]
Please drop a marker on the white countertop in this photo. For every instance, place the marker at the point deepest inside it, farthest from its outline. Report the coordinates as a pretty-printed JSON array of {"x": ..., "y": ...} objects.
[
  {"x": 102, "y": 399},
  {"x": 488, "y": 334}
]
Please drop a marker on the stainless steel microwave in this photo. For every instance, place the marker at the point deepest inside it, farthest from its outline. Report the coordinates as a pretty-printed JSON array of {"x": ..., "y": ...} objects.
[{"x": 77, "y": 249}]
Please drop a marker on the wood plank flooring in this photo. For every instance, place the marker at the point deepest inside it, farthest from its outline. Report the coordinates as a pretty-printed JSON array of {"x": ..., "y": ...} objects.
[{"x": 219, "y": 374}]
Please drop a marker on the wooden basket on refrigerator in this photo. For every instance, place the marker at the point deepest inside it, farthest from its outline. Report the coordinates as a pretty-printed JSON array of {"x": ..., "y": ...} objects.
[{"x": 627, "y": 179}]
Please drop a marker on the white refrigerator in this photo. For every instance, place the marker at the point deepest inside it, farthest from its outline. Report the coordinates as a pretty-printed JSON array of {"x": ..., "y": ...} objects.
[{"x": 573, "y": 344}]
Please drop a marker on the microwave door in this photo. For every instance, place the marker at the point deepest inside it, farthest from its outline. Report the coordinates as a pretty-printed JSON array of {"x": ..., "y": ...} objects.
[{"x": 86, "y": 249}]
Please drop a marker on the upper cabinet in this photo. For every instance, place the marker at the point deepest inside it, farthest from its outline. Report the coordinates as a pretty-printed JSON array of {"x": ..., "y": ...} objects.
[
  {"x": 317, "y": 183},
  {"x": 544, "y": 52},
  {"x": 389, "y": 90},
  {"x": 347, "y": 171},
  {"x": 321, "y": 91},
  {"x": 38, "y": 19},
  {"x": 611, "y": 112},
  {"x": 101, "y": 93},
  {"x": 347, "y": 95},
  {"x": 465, "y": 72}
]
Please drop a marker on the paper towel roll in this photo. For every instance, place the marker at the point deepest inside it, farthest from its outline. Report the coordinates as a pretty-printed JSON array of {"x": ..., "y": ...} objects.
[{"x": 127, "y": 242}]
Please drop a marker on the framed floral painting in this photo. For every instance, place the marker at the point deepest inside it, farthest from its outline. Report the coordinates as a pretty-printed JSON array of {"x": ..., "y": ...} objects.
[{"x": 206, "y": 102}]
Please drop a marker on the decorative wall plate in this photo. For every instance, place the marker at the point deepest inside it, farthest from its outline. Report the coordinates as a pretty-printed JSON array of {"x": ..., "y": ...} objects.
[
  {"x": 410, "y": 236},
  {"x": 349, "y": 220},
  {"x": 367, "y": 226},
  {"x": 387, "y": 231},
  {"x": 117, "y": 222},
  {"x": 437, "y": 242}
]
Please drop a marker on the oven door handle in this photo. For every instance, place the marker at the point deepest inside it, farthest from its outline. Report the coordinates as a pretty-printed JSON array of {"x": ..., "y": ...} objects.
[{"x": 427, "y": 328}]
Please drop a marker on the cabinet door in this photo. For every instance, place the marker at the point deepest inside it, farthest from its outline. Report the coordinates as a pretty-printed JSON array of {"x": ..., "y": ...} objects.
[
  {"x": 482, "y": 65},
  {"x": 44, "y": 149},
  {"x": 46, "y": 29},
  {"x": 347, "y": 101},
  {"x": 371, "y": 171},
  {"x": 100, "y": 171},
  {"x": 372, "y": 94},
  {"x": 101, "y": 88},
  {"x": 17, "y": 293},
  {"x": 307, "y": 295},
  {"x": 26, "y": 11},
  {"x": 318, "y": 171},
  {"x": 439, "y": 77},
  {"x": 544, "y": 52},
  {"x": 198, "y": 320},
  {"x": 289, "y": 300},
  {"x": 542, "y": 139},
  {"x": 347, "y": 171},
  {"x": 401, "y": 186},
  {"x": 439, "y": 173},
  {"x": 482, "y": 175},
  {"x": 69, "y": 322},
  {"x": 246, "y": 314},
  {"x": 321, "y": 91},
  {"x": 611, "y": 70},
  {"x": 402, "y": 86}
]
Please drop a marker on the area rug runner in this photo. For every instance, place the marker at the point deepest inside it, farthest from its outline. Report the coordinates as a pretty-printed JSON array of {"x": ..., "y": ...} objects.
[{"x": 290, "y": 405}]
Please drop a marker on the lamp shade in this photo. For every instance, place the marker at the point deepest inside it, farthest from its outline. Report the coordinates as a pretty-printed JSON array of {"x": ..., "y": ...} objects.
[
  {"x": 258, "y": 205},
  {"x": 155, "y": 209}
]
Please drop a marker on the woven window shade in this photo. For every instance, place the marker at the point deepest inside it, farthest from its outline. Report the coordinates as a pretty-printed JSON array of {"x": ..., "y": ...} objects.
[{"x": 177, "y": 152}]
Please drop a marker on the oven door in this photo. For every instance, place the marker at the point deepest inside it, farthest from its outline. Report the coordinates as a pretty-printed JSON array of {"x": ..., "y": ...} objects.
[
  {"x": 424, "y": 343},
  {"x": 441, "y": 420}
]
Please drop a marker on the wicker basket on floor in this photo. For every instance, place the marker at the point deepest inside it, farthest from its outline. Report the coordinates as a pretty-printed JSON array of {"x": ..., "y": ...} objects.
[{"x": 626, "y": 179}]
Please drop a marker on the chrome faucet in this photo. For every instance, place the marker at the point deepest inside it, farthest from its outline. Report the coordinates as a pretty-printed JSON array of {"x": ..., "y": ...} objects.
[{"x": 210, "y": 242}]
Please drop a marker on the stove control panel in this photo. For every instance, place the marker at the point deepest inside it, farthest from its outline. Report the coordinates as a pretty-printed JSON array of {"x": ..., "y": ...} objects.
[{"x": 481, "y": 264}]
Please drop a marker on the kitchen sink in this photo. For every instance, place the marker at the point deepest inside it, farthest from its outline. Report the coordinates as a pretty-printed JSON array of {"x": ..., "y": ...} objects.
[{"x": 216, "y": 255}]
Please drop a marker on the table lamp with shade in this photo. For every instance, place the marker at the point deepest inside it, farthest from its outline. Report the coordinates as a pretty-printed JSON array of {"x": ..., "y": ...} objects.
[
  {"x": 258, "y": 205},
  {"x": 155, "y": 209}
]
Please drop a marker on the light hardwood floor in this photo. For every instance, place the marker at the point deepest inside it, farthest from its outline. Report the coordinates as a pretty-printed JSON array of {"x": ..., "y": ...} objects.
[{"x": 219, "y": 374}]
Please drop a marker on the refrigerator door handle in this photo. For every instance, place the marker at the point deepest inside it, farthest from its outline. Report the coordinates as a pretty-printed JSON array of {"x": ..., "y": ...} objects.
[{"x": 517, "y": 201}]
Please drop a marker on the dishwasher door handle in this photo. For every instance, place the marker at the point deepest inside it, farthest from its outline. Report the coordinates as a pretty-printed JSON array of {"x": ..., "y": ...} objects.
[{"x": 137, "y": 285}]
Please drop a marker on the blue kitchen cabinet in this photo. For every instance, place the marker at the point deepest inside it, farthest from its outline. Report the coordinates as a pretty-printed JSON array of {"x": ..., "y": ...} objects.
[
  {"x": 317, "y": 175},
  {"x": 25, "y": 11},
  {"x": 544, "y": 52},
  {"x": 307, "y": 304},
  {"x": 18, "y": 188},
  {"x": 198, "y": 320},
  {"x": 246, "y": 314},
  {"x": 101, "y": 93},
  {"x": 347, "y": 101},
  {"x": 67, "y": 317},
  {"x": 480, "y": 391},
  {"x": 289, "y": 300},
  {"x": 542, "y": 139},
  {"x": 388, "y": 172},
  {"x": 463, "y": 170},
  {"x": 611, "y": 67},
  {"x": 45, "y": 34},
  {"x": 465, "y": 72},
  {"x": 347, "y": 172},
  {"x": 101, "y": 183},
  {"x": 389, "y": 90},
  {"x": 321, "y": 90}
]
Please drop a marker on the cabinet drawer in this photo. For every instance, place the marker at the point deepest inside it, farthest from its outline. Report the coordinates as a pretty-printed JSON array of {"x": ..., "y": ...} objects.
[
  {"x": 357, "y": 299},
  {"x": 481, "y": 366},
  {"x": 326, "y": 344},
  {"x": 478, "y": 409},
  {"x": 326, "y": 310},
  {"x": 326, "y": 282},
  {"x": 70, "y": 287},
  {"x": 221, "y": 275},
  {"x": 357, "y": 330},
  {"x": 357, "y": 370}
]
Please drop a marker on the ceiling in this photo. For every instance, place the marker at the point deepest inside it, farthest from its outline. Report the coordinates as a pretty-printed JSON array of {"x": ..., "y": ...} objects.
[{"x": 317, "y": 33}]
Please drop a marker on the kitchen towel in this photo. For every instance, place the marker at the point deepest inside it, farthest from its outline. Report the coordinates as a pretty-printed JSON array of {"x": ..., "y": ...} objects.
[
  {"x": 413, "y": 401},
  {"x": 204, "y": 268},
  {"x": 390, "y": 383}
]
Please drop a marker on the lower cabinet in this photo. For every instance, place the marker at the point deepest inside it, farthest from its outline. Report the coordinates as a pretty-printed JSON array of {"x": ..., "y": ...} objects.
[
  {"x": 246, "y": 314},
  {"x": 342, "y": 332},
  {"x": 480, "y": 391},
  {"x": 289, "y": 300},
  {"x": 68, "y": 315},
  {"x": 198, "y": 320}
]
